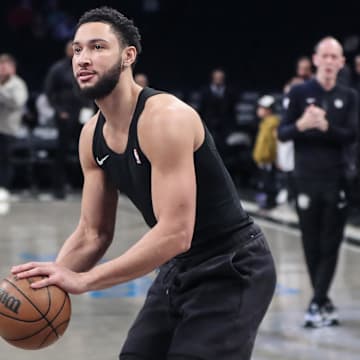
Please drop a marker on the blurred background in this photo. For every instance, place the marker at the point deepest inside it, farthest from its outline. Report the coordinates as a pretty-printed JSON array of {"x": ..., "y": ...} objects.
[
  {"x": 257, "y": 42},
  {"x": 255, "y": 45}
]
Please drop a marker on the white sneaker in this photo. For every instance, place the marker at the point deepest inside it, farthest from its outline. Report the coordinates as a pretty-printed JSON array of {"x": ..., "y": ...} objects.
[
  {"x": 282, "y": 197},
  {"x": 330, "y": 314},
  {"x": 313, "y": 317}
]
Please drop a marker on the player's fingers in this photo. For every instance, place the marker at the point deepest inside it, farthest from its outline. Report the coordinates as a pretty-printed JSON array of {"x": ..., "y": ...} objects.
[
  {"x": 41, "y": 283},
  {"x": 27, "y": 266},
  {"x": 23, "y": 267},
  {"x": 36, "y": 271}
]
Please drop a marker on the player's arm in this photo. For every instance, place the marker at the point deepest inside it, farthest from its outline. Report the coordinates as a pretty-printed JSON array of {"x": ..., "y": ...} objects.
[
  {"x": 168, "y": 140},
  {"x": 347, "y": 132},
  {"x": 95, "y": 229}
]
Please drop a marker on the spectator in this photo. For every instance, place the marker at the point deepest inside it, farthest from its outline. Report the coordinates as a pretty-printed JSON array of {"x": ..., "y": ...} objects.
[
  {"x": 356, "y": 72},
  {"x": 321, "y": 117},
  {"x": 64, "y": 96},
  {"x": 264, "y": 152},
  {"x": 304, "y": 72},
  {"x": 217, "y": 107},
  {"x": 141, "y": 79},
  {"x": 13, "y": 97},
  {"x": 285, "y": 155}
]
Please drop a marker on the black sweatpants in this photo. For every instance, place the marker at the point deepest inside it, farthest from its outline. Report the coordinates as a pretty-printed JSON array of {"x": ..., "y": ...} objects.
[
  {"x": 322, "y": 209},
  {"x": 6, "y": 168},
  {"x": 207, "y": 307},
  {"x": 68, "y": 138}
]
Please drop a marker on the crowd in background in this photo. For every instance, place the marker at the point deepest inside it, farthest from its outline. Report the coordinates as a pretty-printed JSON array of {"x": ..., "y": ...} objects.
[{"x": 54, "y": 113}]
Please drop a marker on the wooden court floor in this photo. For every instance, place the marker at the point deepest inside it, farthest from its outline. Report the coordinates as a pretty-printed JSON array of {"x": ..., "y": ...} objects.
[{"x": 33, "y": 229}]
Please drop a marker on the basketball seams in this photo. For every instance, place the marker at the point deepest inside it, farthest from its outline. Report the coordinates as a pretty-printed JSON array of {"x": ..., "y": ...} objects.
[
  {"x": 52, "y": 328},
  {"x": 67, "y": 321},
  {"x": 66, "y": 297},
  {"x": 27, "y": 336},
  {"x": 61, "y": 324},
  {"x": 14, "y": 318},
  {"x": 49, "y": 323},
  {"x": 29, "y": 300},
  {"x": 48, "y": 292}
]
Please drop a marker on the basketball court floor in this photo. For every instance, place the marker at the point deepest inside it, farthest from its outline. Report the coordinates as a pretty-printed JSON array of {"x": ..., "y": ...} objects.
[{"x": 35, "y": 229}]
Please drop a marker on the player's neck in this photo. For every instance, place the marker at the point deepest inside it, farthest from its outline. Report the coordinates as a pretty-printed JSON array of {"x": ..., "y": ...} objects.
[
  {"x": 326, "y": 82},
  {"x": 119, "y": 106}
]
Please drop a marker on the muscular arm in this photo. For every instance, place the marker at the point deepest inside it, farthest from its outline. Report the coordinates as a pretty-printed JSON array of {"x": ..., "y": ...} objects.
[
  {"x": 168, "y": 136},
  {"x": 168, "y": 140},
  {"x": 94, "y": 232}
]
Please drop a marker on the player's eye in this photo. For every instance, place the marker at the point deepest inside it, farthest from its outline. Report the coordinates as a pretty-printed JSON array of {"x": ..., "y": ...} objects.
[
  {"x": 77, "y": 50},
  {"x": 98, "y": 47}
]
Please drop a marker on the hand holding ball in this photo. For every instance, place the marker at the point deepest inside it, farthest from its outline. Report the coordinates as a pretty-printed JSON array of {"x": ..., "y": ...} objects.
[{"x": 32, "y": 318}]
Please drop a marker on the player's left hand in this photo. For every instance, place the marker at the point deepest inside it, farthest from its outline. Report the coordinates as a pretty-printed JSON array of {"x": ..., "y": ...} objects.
[{"x": 56, "y": 274}]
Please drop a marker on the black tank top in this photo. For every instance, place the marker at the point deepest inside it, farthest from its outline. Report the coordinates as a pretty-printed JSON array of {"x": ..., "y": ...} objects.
[{"x": 218, "y": 208}]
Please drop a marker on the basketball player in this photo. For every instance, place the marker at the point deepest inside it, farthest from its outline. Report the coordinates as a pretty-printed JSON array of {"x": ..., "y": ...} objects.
[
  {"x": 216, "y": 275},
  {"x": 321, "y": 118}
]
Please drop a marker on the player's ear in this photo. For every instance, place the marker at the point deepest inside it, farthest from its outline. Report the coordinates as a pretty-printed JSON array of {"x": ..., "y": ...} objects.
[
  {"x": 315, "y": 59},
  {"x": 129, "y": 55}
]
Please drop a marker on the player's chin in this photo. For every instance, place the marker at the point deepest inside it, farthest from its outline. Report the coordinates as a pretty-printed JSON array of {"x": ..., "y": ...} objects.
[{"x": 85, "y": 84}]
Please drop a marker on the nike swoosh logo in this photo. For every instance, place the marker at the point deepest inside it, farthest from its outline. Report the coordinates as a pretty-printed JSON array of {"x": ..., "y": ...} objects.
[{"x": 101, "y": 161}]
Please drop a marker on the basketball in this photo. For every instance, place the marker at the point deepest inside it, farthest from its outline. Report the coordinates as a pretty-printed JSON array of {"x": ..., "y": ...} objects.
[{"x": 32, "y": 318}]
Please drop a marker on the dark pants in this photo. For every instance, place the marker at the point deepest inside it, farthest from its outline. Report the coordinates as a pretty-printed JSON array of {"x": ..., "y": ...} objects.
[
  {"x": 68, "y": 137},
  {"x": 206, "y": 308},
  {"x": 322, "y": 209},
  {"x": 6, "y": 170},
  {"x": 268, "y": 184}
]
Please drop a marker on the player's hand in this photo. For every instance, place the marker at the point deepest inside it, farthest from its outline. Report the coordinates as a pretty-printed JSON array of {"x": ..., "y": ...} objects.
[
  {"x": 312, "y": 118},
  {"x": 61, "y": 276},
  {"x": 322, "y": 125}
]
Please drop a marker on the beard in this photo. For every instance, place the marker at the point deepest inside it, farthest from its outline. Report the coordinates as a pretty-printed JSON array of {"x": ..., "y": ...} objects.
[{"x": 105, "y": 85}]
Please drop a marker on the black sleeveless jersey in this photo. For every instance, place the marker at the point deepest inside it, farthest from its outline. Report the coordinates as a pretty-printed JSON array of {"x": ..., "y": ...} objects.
[{"x": 218, "y": 208}]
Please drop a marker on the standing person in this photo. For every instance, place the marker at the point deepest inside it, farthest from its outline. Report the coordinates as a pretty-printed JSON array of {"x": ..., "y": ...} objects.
[
  {"x": 217, "y": 107},
  {"x": 265, "y": 151},
  {"x": 65, "y": 98},
  {"x": 217, "y": 274},
  {"x": 321, "y": 118},
  {"x": 304, "y": 72},
  {"x": 13, "y": 97}
]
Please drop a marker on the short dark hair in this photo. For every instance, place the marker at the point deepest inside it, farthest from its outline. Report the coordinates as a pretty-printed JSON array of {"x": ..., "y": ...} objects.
[
  {"x": 5, "y": 57},
  {"x": 122, "y": 26}
]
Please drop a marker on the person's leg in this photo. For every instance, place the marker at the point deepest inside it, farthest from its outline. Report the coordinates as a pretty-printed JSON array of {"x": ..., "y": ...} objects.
[
  {"x": 150, "y": 335},
  {"x": 64, "y": 134},
  {"x": 5, "y": 161},
  {"x": 222, "y": 302},
  {"x": 333, "y": 223},
  {"x": 309, "y": 210}
]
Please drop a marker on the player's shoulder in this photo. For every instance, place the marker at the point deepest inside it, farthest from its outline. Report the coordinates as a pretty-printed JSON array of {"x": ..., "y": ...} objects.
[
  {"x": 301, "y": 89},
  {"x": 347, "y": 90},
  {"x": 166, "y": 121},
  {"x": 88, "y": 129},
  {"x": 167, "y": 108}
]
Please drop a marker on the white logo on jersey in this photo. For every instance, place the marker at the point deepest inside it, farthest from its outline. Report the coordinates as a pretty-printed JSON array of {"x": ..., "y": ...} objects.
[
  {"x": 137, "y": 157},
  {"x": 101, "y": 161},
  {"x": 338, "y": 103},
  {"x": 303, "y": 201},
  {"x": 286, "y": 103},
  {"x": 310, "y": 100}
]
